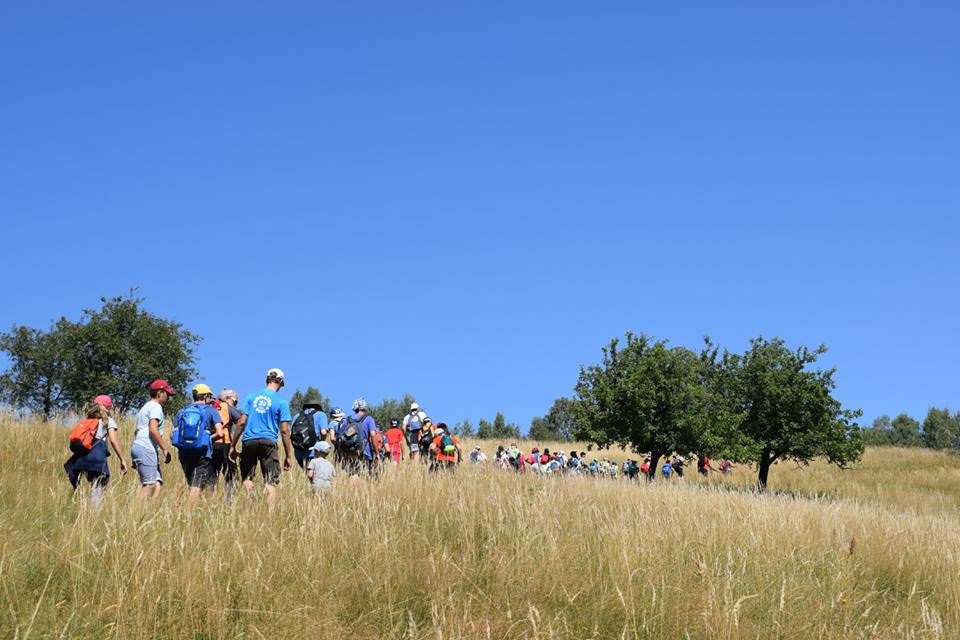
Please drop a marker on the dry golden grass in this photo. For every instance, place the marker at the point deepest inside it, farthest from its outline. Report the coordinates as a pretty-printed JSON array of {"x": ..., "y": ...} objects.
[{"x": 868, "y": 553}]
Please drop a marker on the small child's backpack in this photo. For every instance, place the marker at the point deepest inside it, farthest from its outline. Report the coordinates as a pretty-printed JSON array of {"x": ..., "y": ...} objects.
[
  {"x": 667, "y": 468},
  {"x": 84, "y": 436}
]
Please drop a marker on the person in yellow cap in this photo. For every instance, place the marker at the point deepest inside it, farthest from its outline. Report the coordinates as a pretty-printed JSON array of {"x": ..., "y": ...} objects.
[{"x": 194, "y": 430}]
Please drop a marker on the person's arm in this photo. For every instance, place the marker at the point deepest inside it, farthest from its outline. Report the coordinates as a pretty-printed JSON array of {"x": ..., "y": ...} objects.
[
  {"x": 238, "y": 433},
  {"x": 309, "y": 473},
  {"x": 287, "y": 445},
  {"x": 158, "y": 439},
  {"x": 112, "y": 437}
]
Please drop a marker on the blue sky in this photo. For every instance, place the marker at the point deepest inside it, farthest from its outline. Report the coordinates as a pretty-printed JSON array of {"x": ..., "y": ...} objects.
[{"x": 466, "y": 203}]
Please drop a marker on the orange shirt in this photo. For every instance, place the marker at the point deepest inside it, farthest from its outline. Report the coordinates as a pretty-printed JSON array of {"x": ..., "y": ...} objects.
[{"x": 445, "y": 457}]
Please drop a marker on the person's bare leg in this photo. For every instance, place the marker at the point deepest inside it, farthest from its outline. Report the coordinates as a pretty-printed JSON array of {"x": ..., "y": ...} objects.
[
  {"x": 194, "y": 494},
  {"x": 271, "y": 495}
]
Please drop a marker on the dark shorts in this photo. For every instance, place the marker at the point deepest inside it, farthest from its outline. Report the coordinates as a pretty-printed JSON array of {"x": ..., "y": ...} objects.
[
  {"x": 197, "y": 469},
  {"x": 222, "y": 465},
  {"x": 356, "y": 465},
  {"x": 264, "y": 452},
  {"x": 413, "y": 440}
]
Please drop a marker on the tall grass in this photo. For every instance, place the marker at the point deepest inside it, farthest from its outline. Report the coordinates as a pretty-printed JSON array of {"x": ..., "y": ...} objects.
[{"x": 868, "y": 553}]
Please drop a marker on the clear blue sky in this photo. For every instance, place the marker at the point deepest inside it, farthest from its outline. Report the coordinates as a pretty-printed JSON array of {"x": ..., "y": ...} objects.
[{"x": 467, "y": 203}]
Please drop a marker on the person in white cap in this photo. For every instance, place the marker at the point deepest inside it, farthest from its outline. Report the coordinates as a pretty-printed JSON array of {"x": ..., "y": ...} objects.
[
  {"x": 268, "y": 415},
  {"x": 412, "y": 423}
]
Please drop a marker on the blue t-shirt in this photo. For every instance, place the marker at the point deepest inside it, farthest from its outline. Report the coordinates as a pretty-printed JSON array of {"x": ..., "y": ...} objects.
[
  {"x": 365, "y": 426},
  {"x": 265, "y": 411},
  {"x": 210, "y": 418},
  {"x": 319, "y": 424}
]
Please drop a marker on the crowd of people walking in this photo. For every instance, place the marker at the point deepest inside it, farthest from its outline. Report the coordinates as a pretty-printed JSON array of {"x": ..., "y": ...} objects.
[{"x": 217, "y": 437}]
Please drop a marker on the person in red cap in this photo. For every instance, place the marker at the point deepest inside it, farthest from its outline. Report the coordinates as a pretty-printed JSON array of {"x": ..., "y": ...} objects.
[
  {"x": 148, "y": 444},
  {"x": 92, "y": 464}
]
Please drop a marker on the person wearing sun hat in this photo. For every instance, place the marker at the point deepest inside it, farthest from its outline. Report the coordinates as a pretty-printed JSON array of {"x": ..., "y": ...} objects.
[
  {"x": 148, "y": 441},
  {"x": 268, "y": 416}
]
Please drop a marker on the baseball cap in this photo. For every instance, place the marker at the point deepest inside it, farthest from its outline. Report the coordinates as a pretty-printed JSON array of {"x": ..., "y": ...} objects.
[
  {"x": 202, "y": 390},
  {"x": 323, "y": 446},
  {"x": 414, "y": 407},
  {"x": 103, "y": 400},
  {"x": 439, "y": 431},
  {"x": 276, "y": 373},
  {"x": 164, "y": 385}
]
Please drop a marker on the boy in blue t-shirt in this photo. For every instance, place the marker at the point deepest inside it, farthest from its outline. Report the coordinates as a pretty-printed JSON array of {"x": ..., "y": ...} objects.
[{"x": 196, "y": 463}]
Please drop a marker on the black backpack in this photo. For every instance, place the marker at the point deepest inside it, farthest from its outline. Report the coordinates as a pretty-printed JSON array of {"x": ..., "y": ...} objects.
[
  {"x": 303, "y": 434},
  {"x": 351, "y": 437}
]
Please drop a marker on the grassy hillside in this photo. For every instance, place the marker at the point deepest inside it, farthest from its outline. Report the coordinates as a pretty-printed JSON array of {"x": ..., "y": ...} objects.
[{"x": 868, "y": 553}]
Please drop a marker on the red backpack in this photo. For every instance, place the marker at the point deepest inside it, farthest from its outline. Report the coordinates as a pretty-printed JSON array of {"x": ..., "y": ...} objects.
[{"x": 84, "y": 435}]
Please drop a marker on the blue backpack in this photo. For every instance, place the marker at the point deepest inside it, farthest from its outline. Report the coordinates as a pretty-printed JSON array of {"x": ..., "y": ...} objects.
[
  {"x": 190, "y": 430},
  {"x": 667, "y": 468}
]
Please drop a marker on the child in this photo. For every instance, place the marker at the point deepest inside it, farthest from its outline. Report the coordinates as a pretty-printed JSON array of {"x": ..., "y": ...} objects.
[{"x": 319, "y": 470}]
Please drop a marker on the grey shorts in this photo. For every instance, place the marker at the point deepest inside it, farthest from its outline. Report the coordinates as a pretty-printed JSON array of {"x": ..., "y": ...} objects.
[{"x": 147, "y": 463}]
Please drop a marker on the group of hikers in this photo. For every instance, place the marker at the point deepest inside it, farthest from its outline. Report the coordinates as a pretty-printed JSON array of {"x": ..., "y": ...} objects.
[{"x": 215, "y": 436}]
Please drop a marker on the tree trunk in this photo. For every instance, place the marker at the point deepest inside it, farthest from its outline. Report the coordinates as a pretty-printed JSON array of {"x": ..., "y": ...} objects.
[
  {"x": 765, "y": 462},
  {"x": 654, "y": 459}
]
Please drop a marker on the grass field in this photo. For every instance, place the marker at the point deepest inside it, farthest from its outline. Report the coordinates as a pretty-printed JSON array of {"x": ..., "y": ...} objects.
[{"x": 872, "y": 552}]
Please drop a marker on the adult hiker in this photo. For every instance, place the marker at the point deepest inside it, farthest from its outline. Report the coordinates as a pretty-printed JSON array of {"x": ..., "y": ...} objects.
[
  {"x": 355, "y": 442},
  {"x": 445, "y": 449},
  {"x": 336, "y": 418},
  {"x": 412, "y": 423},
  {"x": 395, "y": 440},
  {"x": 268, "y": 416},
  {"x": 426, "y": 435},
  {"x": 88, "y": 443},
  {"x": 195, "y": 429},
  {"x": 148, "y": 446},
  {"x": 232, "y": 419},
  {"x": 307, "y": 429}
]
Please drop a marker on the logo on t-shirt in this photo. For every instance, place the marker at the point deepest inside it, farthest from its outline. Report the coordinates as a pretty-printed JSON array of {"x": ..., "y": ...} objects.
[{"x": 262, "y": 404}]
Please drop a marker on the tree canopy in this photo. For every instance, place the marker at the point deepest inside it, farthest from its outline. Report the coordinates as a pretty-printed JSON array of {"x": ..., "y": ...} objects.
[{"x": 117, "y": 349}]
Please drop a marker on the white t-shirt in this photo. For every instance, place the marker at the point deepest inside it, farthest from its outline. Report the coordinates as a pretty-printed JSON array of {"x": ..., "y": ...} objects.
[
  {"x": 102, "y": 428},
  {"x": 419, "y": 416},
  {"x": 150, "y": 411}
]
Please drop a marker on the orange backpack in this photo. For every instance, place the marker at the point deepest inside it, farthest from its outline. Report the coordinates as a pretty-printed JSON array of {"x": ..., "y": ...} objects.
[{"x": 83, "y": 435}]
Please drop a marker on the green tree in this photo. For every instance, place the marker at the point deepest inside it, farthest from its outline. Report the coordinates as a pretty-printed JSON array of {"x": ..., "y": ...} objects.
[
  {"x": 880, "y": 433},
  {"x": 941, "y": 430},
  {"x": 311, "y": 396},
  {"x": 907, "y": 431},
  {"x": 498, "y": 429},
  {"x": 558, "y": 424},
  {"x": 485, "y": 429},
  {"x": 464, "y": 429},
  {"x": 390, "y": 408},
  {"x": 39, "y": 362},
  {"x": 645, "y": 396},
  {"x": 117, "y": 349},
  {"x": 121, "y": 347},
  {"x": 789, "y": 412}
]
